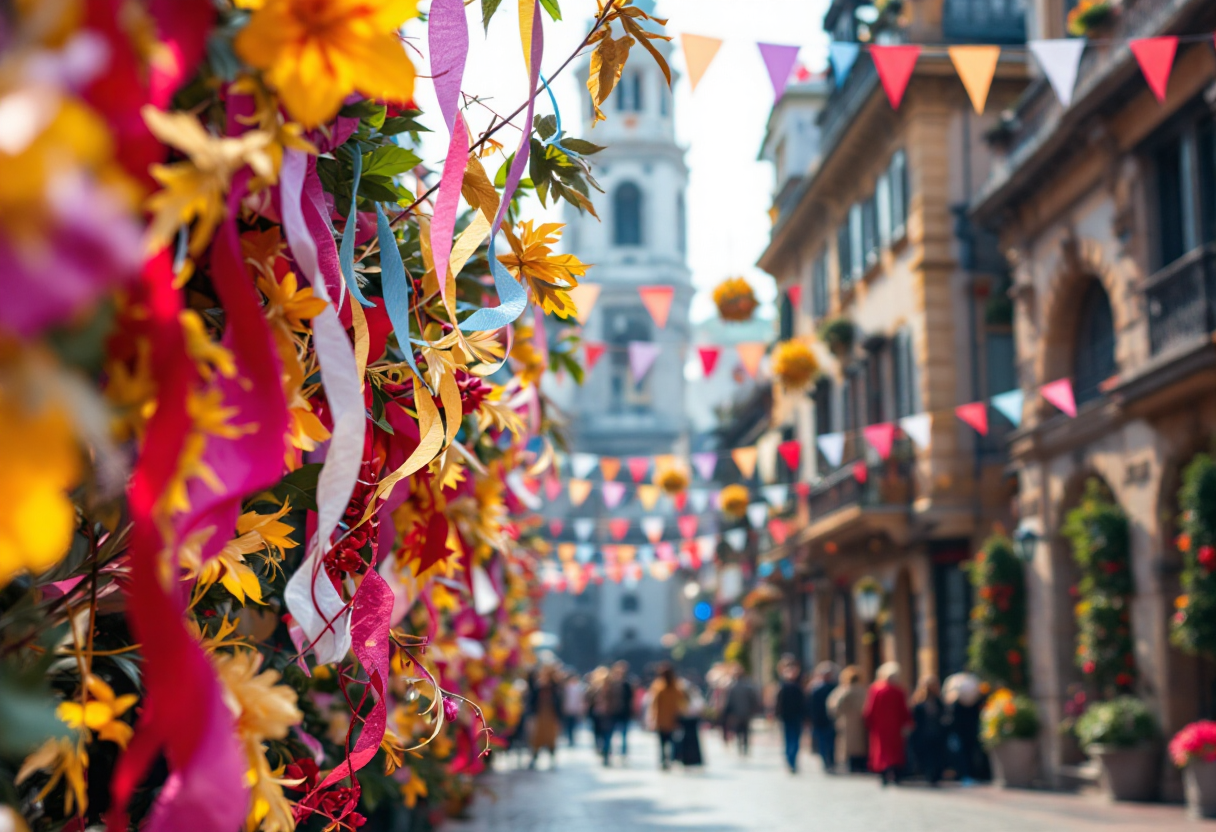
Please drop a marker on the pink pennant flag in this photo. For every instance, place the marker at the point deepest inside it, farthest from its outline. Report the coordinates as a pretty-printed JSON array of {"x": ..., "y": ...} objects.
[
  {"x": 881, "y": 437},
  {"x": 642, "y": 355},
  {"x": 614, "y": 492},
  {"x": 592, "y": 352},
  {"x": 657, "y": 300},
  {"x": 709, "y": 358},
  {"x": 860, "y": 472},
  {"x": 795, "y": 295},
  {"x": 618, "y": 527},
  {"x": 974, "y": 414},
  {"x": 555, "y": 527},
  {"x": 802, "y": 489},
  {"x": 688, "y": 526},
  {"x": 791, "y": 452},
  {"x": 553, "y": 488},
  {"x": 532, "y": 484},
  {"x": 653, "y": 528},
  {"x": 779, "y": 60},
  {"x": 705, "y": 463},
  {"x": 680, "y": 500},
  {"x": 778, "y": 529},
  {"x": 665, "y": 551},
  {"x": 1156, "y": 59},
  {"x": 1059, "y": 393},
  {"x": 894, "y": 65},
  {"x": 751, "y": 353},
  {"x": 639, "y": 467}
]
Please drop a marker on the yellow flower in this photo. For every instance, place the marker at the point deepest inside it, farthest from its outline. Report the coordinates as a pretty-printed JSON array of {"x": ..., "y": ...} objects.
[
  {"x": 794, "y": 364},
  {"x": 735, "y": 299},
  {"x": 263, "y": 708},
  {"x": 255, "y": 533},
  {"x": 289, "y": 304},
  {"x": 99, "y": 712},
  {"x": 66, "y": 759},
  {"x": 316, "y": 52},
  {"x": 550, "y": 275},
  {"x": 413, "y": 789},
  {"x": 734, "y": 499}
]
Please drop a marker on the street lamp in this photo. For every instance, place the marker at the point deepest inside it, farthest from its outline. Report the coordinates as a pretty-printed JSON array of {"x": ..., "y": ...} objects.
[
  {"x": 868, "y": 603},
  {"x": 1025, "y": 543}
]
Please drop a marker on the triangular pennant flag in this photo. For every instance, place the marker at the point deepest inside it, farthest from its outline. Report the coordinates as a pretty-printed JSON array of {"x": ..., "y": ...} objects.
[
  {"x": 802, "y": 489},
  {"x": 581, "y": 465},
  {"x": 736, "y": 539},
  {"x": 795, "y": 295},
  {"x": 860, "y": 472},
  {"x": 699, "y": 52},
  {"x": 688, "y": 526},
  {"x": 1156, "y": 59},
  {"x": 584, "y": 296},
  {"x": 618, "y": 527},
  {"x": 778, "y": 530},
  {"x": 779, "y": 60},
  {"x": 555, "y": 527},
  {"x": 584, "y": 527},
  {"x": 777, "y": 495},
  {"x": 751, "y": 353},
  {"x": 745, "y": 460},
  {"x": 642, "y": 355},
  {"x": 881, "y": 437},
  {"x": 1059, "y": 393},
  {"x": 592, "y": 351},
  {"x": 553, "y": 488},
  {"x": 648, "y": 496},
  {"x": 626, "y": 554},
  {"x": 918, "y": 428},
  {"x": 1059, "y": 59},
  {"x": 639, "y": 467},
  {"x": 580, "y": 490},
  {"x": 831, "y": 445},
  {"x": 709, "y": 358},
  {"x": 842, "y": 54},
  {"x": 705, "y": 463},
  {"x": 646, "y": 553},
  {"x": 1009, "y": 405},
  {"x": 532, "y": 484},
  {"x": 610, "y": 466},
  {"x": 791, "y": 452},
  {"x": 653, "y": 528},
  {"x": 584, "y": 553},
  {"x": 665, "y": 551},
  {"x": 757, "y": 514},
  {"x": 895, "y": 65},
  {"x": 680, "y": 500},
  {"x": 706, "y": 544},
  {"x": 614, "y": 492},
  {"x": 698, "y": 498},
  {"x": 657, "y": 300},
  {"x": 565, "y": 551},
  {"x": 975, "y": 66},
  {"x": 664, "y": 461},
  {"x": 974, "y": 414}
]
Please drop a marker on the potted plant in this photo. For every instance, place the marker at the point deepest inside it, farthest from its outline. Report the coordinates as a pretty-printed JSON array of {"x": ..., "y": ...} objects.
[
  {"x": 1009, "y": 725},
  {"x": 1090, "y": 17},
  {"x": 1193, "y": 749},
  {"x": 839, "y": 334},
  {"x": 1121, "y": 734}
]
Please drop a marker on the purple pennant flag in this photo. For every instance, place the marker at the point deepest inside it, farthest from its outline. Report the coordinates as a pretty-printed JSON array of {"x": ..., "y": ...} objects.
[
  {"x": 780, "y": 62},
  {"x": 614, "y": 492},
  {"x": 705, "y": 463},
  {"x": 642, "y": 355}
]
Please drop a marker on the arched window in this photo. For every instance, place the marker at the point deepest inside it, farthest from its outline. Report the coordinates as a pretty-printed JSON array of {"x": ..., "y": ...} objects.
[
  {"x": 1094, "y": 351},
  {"x": 627, "y": 215}
]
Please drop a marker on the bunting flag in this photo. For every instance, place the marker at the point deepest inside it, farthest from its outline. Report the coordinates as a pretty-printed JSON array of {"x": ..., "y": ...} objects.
[
  {"x": 688, "y": 526},
  {"x": 584, "y": 296},
  {"x": 802, "y": 489},
  {"x": 665, "y": 551},
  {"x": 581, "y": 465},
  {"x": 555, "y": 527},
  {"x": 698, "y": 498},
  {"x": 680, "y": 500},
  {"x": 1059, "y": 393},
  {"x": 613, "y": 493},
  {"x": 778, "y": 530},
  {"x": 1060, "y": 60},
  {"x": 653, "y": 528},
  {"x": 736, "y": 539},
  {"x": 757, "y": 514},
  {"x": 1156, "y": 59},
  {"x": 1010, "y": 405},
  {"x": 707, "y": 546},
  {"x": 610, "y": 466},
  {"x": 706, "y": 463},
  {"x": 592, "y": 352},
  {"x": 745, "y": 460},
  {"x": 639, "y": 467},
  {"x": 586, "y": 552},
  {"x": 646, "y": 553},
  {"x": 860, "y": 472},
  {"x": 709, "y": 358},
  {"x": 776, "y": 495},
  {"x": 794, "y": 292},
  {"x": 779, "y": 61},
  {"x": 751, "y": 353},
  {"x": 894, "y": 65},
  {"x": 657, "y": 300},
  {"x": 699, "y": 52},
  {"x": 648, "y": 496},
  {"x": 579, "y": 490},
  {"x": 553, "y": 488},
  {"x": 975, "y": 66},
  {"x": 975, "y": 414},
  {"x": 642, "y": 355},
  {"x": 584, "y": 527},
  {"x": 881, "y": 437},
  {"x": 566, "y": 551},
  {"x": 917, "y": 428},
  {"x": 842, "y": 55},
  {"x": 831, "y": 445},
  {"x": 618, "y": 527},
  {"x": 791, "y": 452}
]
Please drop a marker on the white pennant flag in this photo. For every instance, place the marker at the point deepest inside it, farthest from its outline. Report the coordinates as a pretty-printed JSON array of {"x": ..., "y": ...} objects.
[
  {"x": 736, "y": 539},
  {"x": 757, "y": 514},
  {"x": 581, "y": 465},
  {"x": 777, "y": 495},
  {"x": 1060, "y": 60},
  {"x": 698, "y": 499},
  {"x": 831, "y": 445},
  {"x": 516, "y": 482},
  {"x": 918, "y": 428},
  {"x": 485, "y": 597},
  {"x": 584, "y": 553},
  {"x": 584, "y": 527},
  {"x": 653, "y": 528},
  {"x": 706, "y": 546}
]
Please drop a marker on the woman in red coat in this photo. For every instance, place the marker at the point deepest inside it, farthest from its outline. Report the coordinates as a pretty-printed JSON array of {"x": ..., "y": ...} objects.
[{"x": 887, "y": 719}]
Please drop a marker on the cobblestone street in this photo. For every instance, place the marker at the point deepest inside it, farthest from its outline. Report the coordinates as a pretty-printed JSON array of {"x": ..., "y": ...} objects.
[{"x": 733, "y": 795}]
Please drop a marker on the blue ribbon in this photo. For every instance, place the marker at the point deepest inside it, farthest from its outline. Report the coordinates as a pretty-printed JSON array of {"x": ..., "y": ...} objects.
[
  {"x": 512, "y": 298},
  {"x": 555, "y": 139},
  {"x": 396, "y": 288},
  {"x": 346, "y": 254}
]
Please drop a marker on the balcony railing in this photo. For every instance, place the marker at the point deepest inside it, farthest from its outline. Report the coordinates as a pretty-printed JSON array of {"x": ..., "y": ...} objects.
[
  {"x": 986, "y": 21},
  {"x": 1181, "y": 300},
  {"x": 887, "y": 484}
]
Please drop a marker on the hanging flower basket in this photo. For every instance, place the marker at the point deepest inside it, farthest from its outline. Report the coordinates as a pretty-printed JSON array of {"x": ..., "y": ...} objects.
[
  {"x": 734, "y": 499},
  {"x": 672, "y": 480},
  {"x": 735, "y": 299},
  {"x": 794, "y": 364},
  {"x": 1089, "y": 17},
  {"x": 839, "y": 334}
]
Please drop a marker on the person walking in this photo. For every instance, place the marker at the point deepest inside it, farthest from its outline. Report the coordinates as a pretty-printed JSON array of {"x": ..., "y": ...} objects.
[
  {"x": 963, "y": 699},
  {"x": 543, "y": 704},
  {"x": 742, "y": 704},
  {"x": 823, "y": 726},
  {"x": 887, "y": 718},
  {"x": 845, "y": 705},
  {"x": 667, "y": 702},
  {"x": 690, "y": 725},
  {"x": 603, "y": 709},
  {"x": 622, "y": 698},
  {"x": 791, "y": 711},
  {"x": 928, "y": 738},
  {"x": 574, "y": 705}
]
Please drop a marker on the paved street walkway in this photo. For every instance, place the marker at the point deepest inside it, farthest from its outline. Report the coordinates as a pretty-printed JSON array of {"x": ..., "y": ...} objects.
[{"x": 733, "y": 795}]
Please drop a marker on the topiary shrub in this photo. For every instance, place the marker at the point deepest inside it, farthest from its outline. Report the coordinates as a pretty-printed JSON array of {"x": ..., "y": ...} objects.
[{"x": 997, "y": 652}]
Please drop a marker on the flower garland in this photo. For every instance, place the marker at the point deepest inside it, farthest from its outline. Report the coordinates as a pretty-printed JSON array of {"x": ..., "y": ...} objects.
[
  {"x": 1193, "y": 627},
  {"x": 997, "y": 651}
]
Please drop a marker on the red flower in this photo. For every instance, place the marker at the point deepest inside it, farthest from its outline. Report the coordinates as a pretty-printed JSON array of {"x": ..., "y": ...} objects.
[
  {"x": 1207, "y": 557},
  {"x": 1123, "y": 680},
  {"x": 1089, "y": 667},
  {"x": 1013, "y": 657}
]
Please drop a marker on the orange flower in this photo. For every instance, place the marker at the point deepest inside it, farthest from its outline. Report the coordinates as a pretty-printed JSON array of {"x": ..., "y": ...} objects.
[{"x": 1183, "y": 542}]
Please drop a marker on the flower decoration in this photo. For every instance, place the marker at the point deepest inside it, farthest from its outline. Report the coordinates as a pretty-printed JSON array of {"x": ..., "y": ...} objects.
[
  {"x": 1195, "y": 742},
  {"x": 1192, "y": 626},
  {"x": 996, "y": 652},
  {"x": 1089, "y": 15},
  {"x": 734, "y": 500},
  {"x": 1006, "y": 716},
  {"x": 735, "y": 299},
  {"x": 794, "y": 364},
  {"x": 673, "y": 479}
]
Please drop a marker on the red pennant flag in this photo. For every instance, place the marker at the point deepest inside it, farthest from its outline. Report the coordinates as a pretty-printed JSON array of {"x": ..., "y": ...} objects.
[
  {"x": 1156, "y": 59},
  {"x": 556, "y": 526},
  {"x": 802, "y": 489},
  {"x": 532, "y": 484},
  {"x": 709, "y": 359},
  {"x": 680, "y": 500},
  {"x": 1059, "y": 393},
  {"x": 688, "y": 526},
  {"x": 553, "y": 488},
  {"x": 618, "y": 527},
  {"x": 860, "y": 472},
  {"x": 881, "y": 437},
  {"x": 639, "y": 466},
  {"x": 894, "y": 65},
  {"x": 795, "y": 293},
  {"x": 777, "y": 528},
  {"x": 791, "y": 452},
  {"x": 974, "y": 414},
  {"x": 592, "y": 351},
  {"x": 657, "y": 300}
]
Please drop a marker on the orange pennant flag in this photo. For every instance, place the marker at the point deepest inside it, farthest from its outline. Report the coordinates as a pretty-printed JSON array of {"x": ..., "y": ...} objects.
[
  {"x": 648, "y": 496},
  {"x": 657, "y": 300},
  {"x": 566, "y": 551},
  {"x": 751, "y": 353},
  {"x": 584, "y": 296},
  {"x": 610, "y": 466},
  {"x": 745, "y": 460},
  {"x": 975, "y": 66},
  {"x": 580, "y": 490},
  {"x": 699, "y": 52}
]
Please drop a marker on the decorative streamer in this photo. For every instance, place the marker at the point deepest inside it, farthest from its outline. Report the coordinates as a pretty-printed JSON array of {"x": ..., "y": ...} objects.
[
  {"x": 448, "y": 40},
  {"x": 346, "y": 254},
  {"x": 396, "y": 287}
]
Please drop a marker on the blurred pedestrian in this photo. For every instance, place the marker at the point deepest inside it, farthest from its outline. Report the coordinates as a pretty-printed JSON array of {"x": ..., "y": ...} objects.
[
  {"x": 928, "y": 738},
  {"x": 742, "y": 705},
  {"x": 791, "y": 711},
  {"x": 845, "y": 705},
  {"x": 667, "y": 703},
  {"x": 963, "y": 700},
  {"x": 603, "y": 710},
  {"x": 823, "y": 727},
  {"x": 543, "y": 705},
  {"x": 690, "y": 725},
  {"x": 622, "y": 697},
  {"x": 574, "y": 705},
  {"x": 887, "y": 719}
]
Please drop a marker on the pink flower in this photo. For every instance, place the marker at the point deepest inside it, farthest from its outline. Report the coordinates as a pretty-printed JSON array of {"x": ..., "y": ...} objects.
[
  {"x": 451, "y": 708},
  {"x": 1197, "y": 740}
]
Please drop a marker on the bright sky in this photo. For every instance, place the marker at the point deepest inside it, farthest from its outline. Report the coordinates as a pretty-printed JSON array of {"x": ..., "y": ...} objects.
[{"x": 721, "y": 124}]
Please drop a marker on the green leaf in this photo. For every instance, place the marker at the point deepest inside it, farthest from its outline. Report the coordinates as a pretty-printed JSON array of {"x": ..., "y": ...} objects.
[
  {"x": 552, "y": 8},
  {"x": 488, "y": 7},
  {"x": 500, "y": 178},
  {"x": 382, "y": 189},
  {"x": 545, "y": 126},
  {"x": 581, "y": 146},
  {"x": 389, "y": 160},
  {"x": 300, "y": 486},
  {"x": 364, "y": 108},
  {"x": 402, "y": 124}
]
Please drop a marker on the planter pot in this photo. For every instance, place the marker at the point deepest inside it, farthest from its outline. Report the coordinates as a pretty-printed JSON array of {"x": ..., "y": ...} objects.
[
  {"x": 1015, "y": 763},
  {"x": 1129, "y": 773},
  {"x": 1199, "y": 783}
]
